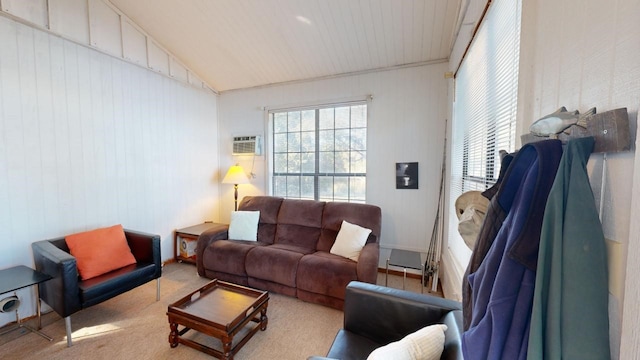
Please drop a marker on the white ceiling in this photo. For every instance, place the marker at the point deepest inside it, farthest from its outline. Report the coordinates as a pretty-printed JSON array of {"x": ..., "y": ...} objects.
[{"x": 234, "y": 44}]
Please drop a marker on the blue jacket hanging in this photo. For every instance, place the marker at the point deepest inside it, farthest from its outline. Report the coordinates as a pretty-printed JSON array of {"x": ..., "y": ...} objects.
[{"x": 502, "y": 286}]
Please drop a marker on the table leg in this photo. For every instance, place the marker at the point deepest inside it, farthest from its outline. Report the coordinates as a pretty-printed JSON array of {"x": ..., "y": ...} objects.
[
  {"x": 173, "y": 335},
  {"x": 264, "y": 320},
  {"x": 226, "y": 347},
  {"x": 404, "y": 279},
  {"x": 386, "y": 279}
]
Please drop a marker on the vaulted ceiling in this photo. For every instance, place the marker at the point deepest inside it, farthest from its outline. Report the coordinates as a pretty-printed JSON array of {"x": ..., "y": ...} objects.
[{"x": 234, "y": 44}]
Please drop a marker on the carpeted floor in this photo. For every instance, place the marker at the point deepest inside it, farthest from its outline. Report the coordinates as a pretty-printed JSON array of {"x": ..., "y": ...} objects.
[{"x": 134, "y": 326}]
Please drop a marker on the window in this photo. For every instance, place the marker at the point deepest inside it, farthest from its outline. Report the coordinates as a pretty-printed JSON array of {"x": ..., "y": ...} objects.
[
  {"x": 320, "y": 153},
  {"x": 484, "y": 109}
]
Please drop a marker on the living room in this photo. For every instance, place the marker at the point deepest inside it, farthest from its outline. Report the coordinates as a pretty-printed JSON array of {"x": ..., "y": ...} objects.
[{"x": 100, "y": 129}]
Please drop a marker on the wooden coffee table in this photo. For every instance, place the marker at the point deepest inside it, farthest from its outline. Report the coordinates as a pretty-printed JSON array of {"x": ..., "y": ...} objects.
[{"x": 218, "y": 309}]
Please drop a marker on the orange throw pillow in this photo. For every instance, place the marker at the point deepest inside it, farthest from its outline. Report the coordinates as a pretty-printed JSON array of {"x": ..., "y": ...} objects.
[{"x": 99, "y": 251}]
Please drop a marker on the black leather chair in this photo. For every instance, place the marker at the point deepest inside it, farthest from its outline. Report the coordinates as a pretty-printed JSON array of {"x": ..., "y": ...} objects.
[
  {"x": 375, "y": 316},
  {"x": 66, "y": 293}
]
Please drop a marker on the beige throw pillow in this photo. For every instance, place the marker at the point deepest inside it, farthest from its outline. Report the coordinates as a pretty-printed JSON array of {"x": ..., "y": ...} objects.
[
  {"x": 350, "y": 240},
  {"x": 244, "y": 225},
  {"x": 424, "y": 344}
]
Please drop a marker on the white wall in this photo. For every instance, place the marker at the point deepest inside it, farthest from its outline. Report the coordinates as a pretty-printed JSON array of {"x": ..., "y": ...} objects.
[
  {"x": 406, "y": 124},
  {"x": 90, "y": 140}
]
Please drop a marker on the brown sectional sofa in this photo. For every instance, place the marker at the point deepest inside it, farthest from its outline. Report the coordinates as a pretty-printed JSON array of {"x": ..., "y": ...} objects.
[{"x": 292, "y": 255}]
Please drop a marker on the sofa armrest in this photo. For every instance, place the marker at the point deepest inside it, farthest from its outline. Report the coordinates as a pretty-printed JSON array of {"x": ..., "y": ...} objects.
[
  {"x": 145, "y": 248},
  {"x": 217, "y": 232},
  {"x": 367, "y": 267},
  {"x": 385, "y": 315},
  {"x": 61, "y": 293}
]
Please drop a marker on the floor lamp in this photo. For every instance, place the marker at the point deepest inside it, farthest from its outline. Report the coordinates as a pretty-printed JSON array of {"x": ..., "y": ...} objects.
[{"x": 235, "y": 176}]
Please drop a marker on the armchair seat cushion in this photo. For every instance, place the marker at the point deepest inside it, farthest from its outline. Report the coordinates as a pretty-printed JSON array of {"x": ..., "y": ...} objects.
[{"x": 106, "y": 286}]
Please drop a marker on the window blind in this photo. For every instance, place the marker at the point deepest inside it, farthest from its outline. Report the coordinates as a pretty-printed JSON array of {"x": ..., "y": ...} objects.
[{"x": 484, "y": 109}]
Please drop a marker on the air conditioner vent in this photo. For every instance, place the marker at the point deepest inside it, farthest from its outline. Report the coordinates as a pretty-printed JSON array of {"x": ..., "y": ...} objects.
[{"x": 247, "y": 145}]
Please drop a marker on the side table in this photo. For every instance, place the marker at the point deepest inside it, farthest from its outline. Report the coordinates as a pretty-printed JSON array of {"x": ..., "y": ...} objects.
[
  {"x": 407, "y": 260},
  {"x": 18, "y": 277},
  {"x": 185, "y": 239}
]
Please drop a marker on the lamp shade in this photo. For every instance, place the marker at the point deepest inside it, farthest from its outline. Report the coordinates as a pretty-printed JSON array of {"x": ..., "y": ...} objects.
[{"x": 235, "y": 175}]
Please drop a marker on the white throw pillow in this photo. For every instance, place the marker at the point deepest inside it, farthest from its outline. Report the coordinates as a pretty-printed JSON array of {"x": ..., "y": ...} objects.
[
  {"x": 244, "y": 225},
  {"x": 424, "y": 344},
  {"x": 350, "y": 241}
]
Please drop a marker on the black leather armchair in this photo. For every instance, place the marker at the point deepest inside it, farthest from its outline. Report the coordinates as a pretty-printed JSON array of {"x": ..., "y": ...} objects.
[
  {"x": 66, "y": 293},
  {"x": 375, "y": 316}
]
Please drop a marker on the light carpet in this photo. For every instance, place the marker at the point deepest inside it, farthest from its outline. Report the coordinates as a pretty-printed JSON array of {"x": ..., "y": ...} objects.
[{"x": 134, "y": 326}]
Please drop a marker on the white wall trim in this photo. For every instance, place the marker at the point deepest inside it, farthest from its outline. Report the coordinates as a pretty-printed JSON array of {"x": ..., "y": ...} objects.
[{"x": 451, "y": 276}]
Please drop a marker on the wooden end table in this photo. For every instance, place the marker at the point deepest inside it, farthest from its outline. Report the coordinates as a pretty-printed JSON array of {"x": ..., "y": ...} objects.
[
  {"x": 190, "y": 235},
  {"x": 218, "y": 309}
]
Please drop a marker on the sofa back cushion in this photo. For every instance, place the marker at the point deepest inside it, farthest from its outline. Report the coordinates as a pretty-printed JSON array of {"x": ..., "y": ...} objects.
[
  {"x": 365, "y": 215},
  {"x": 299, "y": 223},
  {"x": 269, "y": 208}
]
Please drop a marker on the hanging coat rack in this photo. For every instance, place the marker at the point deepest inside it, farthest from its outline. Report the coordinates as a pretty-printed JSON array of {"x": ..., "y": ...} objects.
[{"x": 610, "y": 130}]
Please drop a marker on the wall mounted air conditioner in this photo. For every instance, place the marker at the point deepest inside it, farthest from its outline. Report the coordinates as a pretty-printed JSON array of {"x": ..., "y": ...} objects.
[{"x": 247, "y": 145}]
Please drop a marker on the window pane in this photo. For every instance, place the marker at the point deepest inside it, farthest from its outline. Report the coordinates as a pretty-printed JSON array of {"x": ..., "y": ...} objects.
[
  {"x": 342, "y": 139},
  {"x": 326, "y": 118},
  {"x": 342, "y": 160},
  {"x": 341, "y": 188},
  {"x": 308, "y": 121},
  {"x": 293, "y": 164},
  {"x": 306, "y": 188},
  {"x": 326, "y": 162},
  {"x": 308, "y": 163},
  {"x": 358, "y": 187},
  {"x": 308, "y": 141},
  {"x": 342, "y": 118},
  {"x": 294, "y": 121},
  {"x": 326, "y": 140},
  {"x": 358, "y": 139},
  {"x": 293, "y": 186},
  {"x": 325, "y": 188},
  {"x": 280, "y": 163},
  {"x": 280, "y": 123},
  {"x": 280, "y": 143},
  {"x": 294, "y": 142},
  {"x": 359, "y": 162},
  {"x": 279, "y": 186}
]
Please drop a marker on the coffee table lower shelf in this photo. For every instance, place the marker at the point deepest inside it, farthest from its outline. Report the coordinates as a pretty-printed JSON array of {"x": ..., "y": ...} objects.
[{"x": 220, "y": 310}]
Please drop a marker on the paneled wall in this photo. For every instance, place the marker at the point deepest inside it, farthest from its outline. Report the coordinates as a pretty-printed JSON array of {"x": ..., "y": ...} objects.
[
  {"x": 90, "y": 140},
  {"x": 102, "y": 26},
  {"x": 406, "y": 124}
]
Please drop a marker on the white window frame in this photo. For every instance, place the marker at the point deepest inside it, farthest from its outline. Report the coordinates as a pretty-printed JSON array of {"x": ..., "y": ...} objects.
[{"x": 354, "y": 175}]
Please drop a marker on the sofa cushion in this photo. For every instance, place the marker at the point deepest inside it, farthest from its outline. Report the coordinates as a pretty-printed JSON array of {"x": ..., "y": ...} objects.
[
  {"x": 217, "y": 256},
  {"x": 99, "y": 251},
  {"x": 273, "y": 264},
  {"x": 365, "y": 215},
  {"x": 326, "y": 274},
  {"x": 424, "y": 344},
  {"x": 299, "y": 223},
  {"x": 244, "y": 225},
  {"x": 269, "y": 208},
  {"x": 350, "y": 241}
]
